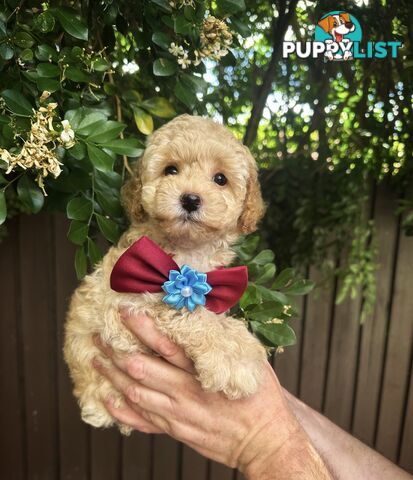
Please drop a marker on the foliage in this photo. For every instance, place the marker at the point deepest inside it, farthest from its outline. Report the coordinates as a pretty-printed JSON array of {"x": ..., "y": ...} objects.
[
  {"x": 81, "y": 87},
  {"x": 267, "y": 304},
  {"x": 328, "y": 134},
  {"x": 73, "y": 117},
  {"x": 324, "y": 133}
]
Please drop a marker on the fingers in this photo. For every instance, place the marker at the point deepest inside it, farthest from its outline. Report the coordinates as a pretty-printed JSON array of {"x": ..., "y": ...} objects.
[
  {"x": 143, "y": 328},
  {"x": 147, "y": 399},
  {"x": 151, "y": 372},
  {"x": 130, "y": 417}
]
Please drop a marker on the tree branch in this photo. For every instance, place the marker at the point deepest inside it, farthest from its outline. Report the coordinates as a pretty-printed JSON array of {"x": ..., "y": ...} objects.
[{"x": 264, "y": 89}]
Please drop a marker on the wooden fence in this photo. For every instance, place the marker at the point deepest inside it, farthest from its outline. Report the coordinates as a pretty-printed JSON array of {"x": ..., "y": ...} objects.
[{"x": 360, "y": 376}]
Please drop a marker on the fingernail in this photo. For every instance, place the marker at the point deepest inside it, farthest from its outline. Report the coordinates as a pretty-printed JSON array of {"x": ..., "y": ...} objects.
[
  {"x": 123, "y": 312},
  {"x": 110, "y": 399},
  {"x": 96, "y": 363},
  {"x": 97, "y": 340}
]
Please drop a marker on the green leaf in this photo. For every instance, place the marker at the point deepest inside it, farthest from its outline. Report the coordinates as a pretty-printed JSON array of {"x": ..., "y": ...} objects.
[
  {"x": 274, "y": 334},
  {"x": 17, "y": 103},
  {"x": 163, "y": 67},
  {"x": 76, "y": 75},
  {"x": 162, "y": 40},
  {"x": 93, "y": 252},
  {"x": 131, "y": 147},
  {"x": 70, "y": 22},
  {"x": 23, "y": 40},
  {"x": 3, "y": 30},
  {"x": 265, "y": 256},
  {"x": 6, "y": 51},
  {"x": 272, "y": 295},
  {"x": 182, "y": 25},
  {"x": 266, "y": 311},
  {"x": 77, "y": 233},
  {"x": 251, "y": 297},
  {"x": 283, "y": 279},
  {"x": 44, "y": 22},
  {"x": 100, "y": 65},
  {"x": 3, "y": 207},
  {"x": 159, "y": 106},
  {"x": 26, "y": 55},
  {"x": 164, "y": 4},
  {"x": 106, "y": 130},
  {"x": 100, "y": 159},
  {"x": 79, "y": 208},
  {"x": 110, "y": 202},
  {"x": 109, "y": 228},
  {"x": 80, "y": 263},
  {"x": 30, "y": 194},
  {"x": 185, "y": 95},
  {"x": 143, "y": 120},
  {"x": 300, "y": 287},
  {"x": 231, "y": 6},
  {"x": 47, "y": 70},
  {"x": 266, "y": 273},
  {"x": 87, "y": 125},
  {"x": 49, "y": 84},
  {"x": 45, "y": 53}
]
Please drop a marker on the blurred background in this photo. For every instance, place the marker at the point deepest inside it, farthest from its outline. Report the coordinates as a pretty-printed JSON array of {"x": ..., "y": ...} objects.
[{"x": 82, "y": 85}]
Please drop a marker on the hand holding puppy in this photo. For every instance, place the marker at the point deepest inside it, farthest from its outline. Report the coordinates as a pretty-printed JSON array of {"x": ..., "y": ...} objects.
[{"x": 255, "y": 434}]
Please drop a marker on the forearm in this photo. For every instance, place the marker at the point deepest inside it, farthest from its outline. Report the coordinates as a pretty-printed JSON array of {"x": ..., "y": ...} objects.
[
  {"x": 294, "y": 459},
  {"x": 345, "y": 456}
]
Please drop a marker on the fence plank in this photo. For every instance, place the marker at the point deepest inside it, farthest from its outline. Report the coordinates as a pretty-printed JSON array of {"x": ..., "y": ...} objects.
[
  {"x": 12, "y": 433},
  {"x": 315, "y": 341},
  {"x": 73, "y": 433},
  {"x": 406, "y": 450},
  {"x": 220, "y": 472},
  {"x": 341, "y": 370},
  {"x": 397, "y": 366},
  {"x": 374, "y": 329},
  {"x": 136, "y": 461},
  {"x": 165, "y": 458},
  {"x": 287, "y": 364},
  {"x": 39, "y": 341},
  {"x": 194, "y": 465},
  {"x": 106, "y": 460}
]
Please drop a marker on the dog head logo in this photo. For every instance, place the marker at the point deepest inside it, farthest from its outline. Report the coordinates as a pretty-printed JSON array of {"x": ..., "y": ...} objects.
[{"x": 339, "y": 30}]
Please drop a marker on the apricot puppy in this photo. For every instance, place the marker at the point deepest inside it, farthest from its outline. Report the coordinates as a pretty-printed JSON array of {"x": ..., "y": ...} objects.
[{"x": 195, "y": 191}]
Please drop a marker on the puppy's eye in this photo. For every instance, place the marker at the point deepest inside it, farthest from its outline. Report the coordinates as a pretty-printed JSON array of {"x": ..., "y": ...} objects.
[
  {"x": 220, "y": 179},
  {"x": 171, "y": 170}
]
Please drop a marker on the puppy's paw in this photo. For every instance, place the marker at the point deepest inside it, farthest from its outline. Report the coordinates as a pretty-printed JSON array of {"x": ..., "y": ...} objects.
[
  {"x": 237, "y": 376},
  {"x": 94, "y": 413}
]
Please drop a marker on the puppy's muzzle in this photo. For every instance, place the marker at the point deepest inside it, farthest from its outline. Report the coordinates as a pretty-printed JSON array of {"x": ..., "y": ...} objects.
[{"x": 190, "y": 202}]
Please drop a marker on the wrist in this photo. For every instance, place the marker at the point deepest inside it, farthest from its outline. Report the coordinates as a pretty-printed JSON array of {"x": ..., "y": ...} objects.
[{"x": 282, "y": 452}]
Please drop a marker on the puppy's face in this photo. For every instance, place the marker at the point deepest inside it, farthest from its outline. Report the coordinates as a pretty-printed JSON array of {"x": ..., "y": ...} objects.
[{"x": 198, "y": 182}]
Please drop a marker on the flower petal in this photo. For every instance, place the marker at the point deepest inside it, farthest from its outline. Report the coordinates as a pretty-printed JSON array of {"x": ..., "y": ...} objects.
[
  {"x": 202, "y": 277},
  {"x": 201, "y": 288},
  {"x": 197, "y": 298},
  {"x": 169, "y": 287},
  {"x": 173, "y": 274}
]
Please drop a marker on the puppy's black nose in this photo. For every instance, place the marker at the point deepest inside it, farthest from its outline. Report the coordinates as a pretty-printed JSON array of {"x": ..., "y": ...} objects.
[
  {"x": 349, "y": 25},
  {"x": 190, "y": 202}
]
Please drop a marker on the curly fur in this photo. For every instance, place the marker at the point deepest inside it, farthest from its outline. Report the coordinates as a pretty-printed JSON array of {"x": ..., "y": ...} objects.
[{"x": 226, "y": 356}]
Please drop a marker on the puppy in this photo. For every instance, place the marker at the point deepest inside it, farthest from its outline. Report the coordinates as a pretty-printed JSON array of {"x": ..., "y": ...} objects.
[
  {"x": 195, "y": 191},
  {"x": 338, "y": 26}
]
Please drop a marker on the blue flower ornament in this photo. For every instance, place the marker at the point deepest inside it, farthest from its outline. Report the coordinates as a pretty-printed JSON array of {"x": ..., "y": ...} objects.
[{"x": 186, "y": 288}]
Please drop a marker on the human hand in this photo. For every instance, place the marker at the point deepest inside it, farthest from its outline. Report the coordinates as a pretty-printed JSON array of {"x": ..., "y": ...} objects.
[{"x": 162, "y": 395}]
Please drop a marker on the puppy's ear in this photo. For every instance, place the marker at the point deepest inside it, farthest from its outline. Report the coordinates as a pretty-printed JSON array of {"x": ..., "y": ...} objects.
[
  {"x": 131, "y": 196},
  {"x": 254, "y": 207},
  {"x": 326, "y": 24}
]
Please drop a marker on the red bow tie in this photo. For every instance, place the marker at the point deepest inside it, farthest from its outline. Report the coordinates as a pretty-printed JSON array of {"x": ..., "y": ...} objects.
[{"x": 145, "y": 267}]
